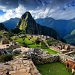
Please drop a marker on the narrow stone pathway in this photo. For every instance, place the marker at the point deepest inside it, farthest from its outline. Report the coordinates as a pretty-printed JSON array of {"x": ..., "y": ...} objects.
[
  {"x": 23, "y": 67},
  {"x": 19, "y": 66}
]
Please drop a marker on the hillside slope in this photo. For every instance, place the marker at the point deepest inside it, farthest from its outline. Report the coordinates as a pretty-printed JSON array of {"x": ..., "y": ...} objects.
[
  {"x": 29, "y": 25},
  {"x": 63, "y": 27}
]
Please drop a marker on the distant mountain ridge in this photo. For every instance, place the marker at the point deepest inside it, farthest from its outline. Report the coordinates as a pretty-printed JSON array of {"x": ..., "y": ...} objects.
[
  {"x": 29, "y": 25},
  {"x": 70, "y": 38},
  {"x": 11, "y": 24},
  {"x": 63, "y": 27}
]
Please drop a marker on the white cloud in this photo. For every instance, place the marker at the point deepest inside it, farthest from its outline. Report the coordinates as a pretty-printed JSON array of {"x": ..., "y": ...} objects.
[
  {"x": 56, "y": 12},
  {"x": 12, "y": 13},
  {"x": 2, "y": 7},
  {"x": 19, "y": 11}
]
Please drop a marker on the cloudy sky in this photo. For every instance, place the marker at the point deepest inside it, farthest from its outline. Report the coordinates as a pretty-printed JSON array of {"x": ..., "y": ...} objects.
[{"x": 57, "y": 9}]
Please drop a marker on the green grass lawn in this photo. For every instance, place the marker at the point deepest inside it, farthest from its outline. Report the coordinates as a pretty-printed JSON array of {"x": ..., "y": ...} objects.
[
  {"x": 55, "y": 68},
  {"x": 51, "y": 51},
  {"x": 34, "y": 46},
  {"x": 31, "y": 44},
  {"x": 27, "y": 41}
]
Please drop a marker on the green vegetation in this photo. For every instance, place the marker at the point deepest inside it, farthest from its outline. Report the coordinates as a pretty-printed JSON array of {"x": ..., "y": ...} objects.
[
  {"x": 34, "y": 42},
  {"x": 24, "y": 23},
  {"x": 73, "y": 32},
  {"x": 51, "y": 41},
  {"x": 6, "y": 57},
  {"x": 43, "y": 45},
  {"x": 55, "y": 68},
  {"x": 28, "y": 42},
  {"x": 34, "y": 46},
  {"x": 51, "y": 51}
]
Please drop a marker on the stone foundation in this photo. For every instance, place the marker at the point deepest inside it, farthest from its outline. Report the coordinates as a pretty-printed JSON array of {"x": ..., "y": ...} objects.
[
  {"x": 41, "y": 57},
  {"x": 24, "y": 65}
]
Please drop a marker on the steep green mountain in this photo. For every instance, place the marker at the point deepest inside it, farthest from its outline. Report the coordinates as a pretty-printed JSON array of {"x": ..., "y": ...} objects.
[
  {"x": 70, "y": 38},
  {"x": 29, "y": 25},
  {"x": 63, "y": 27},
  {"x": 73, "y": 32},
  {"x": 2, "y": 27}
]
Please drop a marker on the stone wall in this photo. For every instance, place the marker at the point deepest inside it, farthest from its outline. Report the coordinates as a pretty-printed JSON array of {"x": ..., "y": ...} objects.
[
  {"x": 49, "y": 59},
  {"x": 63, "y": 57},
  {"x": 41, "y": 57},
  {"x": 19, "y": 66},
  {"x": 23, "y": 67}
]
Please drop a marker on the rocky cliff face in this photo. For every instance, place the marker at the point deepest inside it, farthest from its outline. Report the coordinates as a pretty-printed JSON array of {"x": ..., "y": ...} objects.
[{"x": 29, "y": 25}]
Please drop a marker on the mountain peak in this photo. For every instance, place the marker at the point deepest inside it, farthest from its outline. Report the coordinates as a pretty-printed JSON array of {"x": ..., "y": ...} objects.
[
  {"x": 26, "y": 15},
  {"x": 25, "y": 20},
  {"x": 28, "y": 25}
]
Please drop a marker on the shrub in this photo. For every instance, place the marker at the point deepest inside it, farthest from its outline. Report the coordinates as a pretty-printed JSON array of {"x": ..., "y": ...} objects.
[
  {"x": 43, "y": 45},
  {"x": 24, "y": 44},
  {"x": 5, "y": 58},
  {"x": 37, "y": 41}
]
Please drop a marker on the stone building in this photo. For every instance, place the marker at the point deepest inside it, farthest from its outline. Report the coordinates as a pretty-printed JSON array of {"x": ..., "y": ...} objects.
[{"x": 5, "y": 41}]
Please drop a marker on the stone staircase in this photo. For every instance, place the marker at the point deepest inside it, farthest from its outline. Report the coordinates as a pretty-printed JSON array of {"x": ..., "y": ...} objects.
[{"x": 23, "y": 67}]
